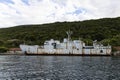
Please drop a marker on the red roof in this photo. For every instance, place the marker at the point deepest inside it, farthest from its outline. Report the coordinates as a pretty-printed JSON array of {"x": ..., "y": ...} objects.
[
  {"x": 117, "y": 48},
  {"x": 14, "y": 49}
]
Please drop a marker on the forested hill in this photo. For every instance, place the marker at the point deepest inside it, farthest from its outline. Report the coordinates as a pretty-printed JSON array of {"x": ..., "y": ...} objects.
[{"x": 105, "y": 30}]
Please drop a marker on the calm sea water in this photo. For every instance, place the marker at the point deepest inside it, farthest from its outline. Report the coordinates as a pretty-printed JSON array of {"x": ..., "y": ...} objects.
[{"x": 59, "y": 67}]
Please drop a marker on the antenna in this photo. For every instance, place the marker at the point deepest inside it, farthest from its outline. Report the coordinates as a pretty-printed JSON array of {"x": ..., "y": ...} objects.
[{"x": 69, "y": 33}]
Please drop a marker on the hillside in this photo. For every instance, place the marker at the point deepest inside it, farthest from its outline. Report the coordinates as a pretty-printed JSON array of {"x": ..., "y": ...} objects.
[{"x": 105, "y": 30}]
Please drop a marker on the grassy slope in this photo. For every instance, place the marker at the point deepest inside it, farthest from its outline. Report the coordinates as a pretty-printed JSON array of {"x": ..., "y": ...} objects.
[{"x": 101, "y": 29}]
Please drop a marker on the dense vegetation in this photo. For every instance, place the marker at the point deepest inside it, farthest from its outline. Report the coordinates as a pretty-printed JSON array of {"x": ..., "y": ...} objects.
[{"x": 105, "y": 30}]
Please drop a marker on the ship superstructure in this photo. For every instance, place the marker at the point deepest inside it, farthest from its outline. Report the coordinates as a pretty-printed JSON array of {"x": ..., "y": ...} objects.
[{"x": 68, "y": 46}]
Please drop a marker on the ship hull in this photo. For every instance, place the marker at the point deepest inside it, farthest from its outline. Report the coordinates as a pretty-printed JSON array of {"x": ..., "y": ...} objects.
[{"x": 46, "y": 54}]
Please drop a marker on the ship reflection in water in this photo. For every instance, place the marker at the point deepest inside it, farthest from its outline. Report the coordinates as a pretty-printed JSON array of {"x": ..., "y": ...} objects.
[{"x": 59, "y": 67}]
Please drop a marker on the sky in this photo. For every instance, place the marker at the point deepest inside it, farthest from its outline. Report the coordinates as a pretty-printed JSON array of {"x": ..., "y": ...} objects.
[{"x": 21, "y": 12}]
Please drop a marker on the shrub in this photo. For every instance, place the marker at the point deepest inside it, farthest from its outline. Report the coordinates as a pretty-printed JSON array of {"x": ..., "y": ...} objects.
[{"x": 3, "y": 49}]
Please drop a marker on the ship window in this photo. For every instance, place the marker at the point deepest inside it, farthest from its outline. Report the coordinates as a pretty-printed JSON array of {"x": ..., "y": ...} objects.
[{"x": 46, "y": 43}]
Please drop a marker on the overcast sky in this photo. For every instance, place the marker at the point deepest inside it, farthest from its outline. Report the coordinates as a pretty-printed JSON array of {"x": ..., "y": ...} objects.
[{"x": 20, "y": 12}]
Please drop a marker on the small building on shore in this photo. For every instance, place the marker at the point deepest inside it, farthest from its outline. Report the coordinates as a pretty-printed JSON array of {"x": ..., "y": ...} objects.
[
  {"x": 14, "y": 51},
  {"x": 116, "y": 51}
]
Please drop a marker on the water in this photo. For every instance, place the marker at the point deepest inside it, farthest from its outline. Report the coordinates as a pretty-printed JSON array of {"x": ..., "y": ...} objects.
[{"x": 59, "y": 67}]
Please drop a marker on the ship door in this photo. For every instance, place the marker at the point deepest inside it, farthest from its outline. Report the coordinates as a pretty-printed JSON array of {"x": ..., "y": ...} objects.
[
  {"x": 101, "y": 51},
  {"x": 54, "y": 45}
]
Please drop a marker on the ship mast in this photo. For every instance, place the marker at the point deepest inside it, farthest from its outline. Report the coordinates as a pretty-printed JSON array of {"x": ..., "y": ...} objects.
[{"x": 69, "y": 33}]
